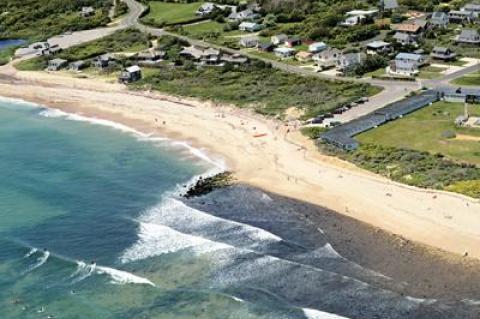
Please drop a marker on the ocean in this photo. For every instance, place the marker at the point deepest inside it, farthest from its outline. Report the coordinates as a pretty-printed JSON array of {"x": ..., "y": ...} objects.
[{"x": 93, "y": 225}]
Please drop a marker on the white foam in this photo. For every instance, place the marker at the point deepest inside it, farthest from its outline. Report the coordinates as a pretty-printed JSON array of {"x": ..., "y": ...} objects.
[
  {"x": 55, "y": 113},
  {"x": 40, "y": 261},
  {"x": 174, "y": 213},
  {"x": 30, "y": 253},
  {"x": 83, "y": 271},
  {"x": 123, "y": 277},
  {"x": 200, "y": 153},
  {"x": 317, "y": 314},
  {"x": 155, "y": 240}
]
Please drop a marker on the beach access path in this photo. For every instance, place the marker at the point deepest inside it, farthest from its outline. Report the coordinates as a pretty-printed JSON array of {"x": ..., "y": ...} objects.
[{"x": 282, "y": 161}]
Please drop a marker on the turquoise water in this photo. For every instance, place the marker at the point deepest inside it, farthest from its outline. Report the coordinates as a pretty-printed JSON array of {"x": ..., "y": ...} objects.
[{"x": 92, "y": 227}]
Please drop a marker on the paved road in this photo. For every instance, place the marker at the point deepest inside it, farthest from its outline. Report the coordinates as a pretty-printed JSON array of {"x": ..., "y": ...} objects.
[{"x": 79, "y": 37}]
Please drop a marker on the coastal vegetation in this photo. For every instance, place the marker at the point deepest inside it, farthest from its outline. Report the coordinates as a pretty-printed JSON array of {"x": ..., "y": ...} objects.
[
  {"x": 257, "y": 85},
  {"x": 425, "y": 149},
  {"x": 40, "y": 19},
  {"x": 413, "y": 167}
]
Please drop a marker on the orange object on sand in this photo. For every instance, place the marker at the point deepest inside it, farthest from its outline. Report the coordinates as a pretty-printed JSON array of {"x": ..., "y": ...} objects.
[{"x": 260, "y": 135}]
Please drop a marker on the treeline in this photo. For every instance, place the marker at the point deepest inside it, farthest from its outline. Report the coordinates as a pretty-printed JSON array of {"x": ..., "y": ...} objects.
[{"x": 40, "y": 19}]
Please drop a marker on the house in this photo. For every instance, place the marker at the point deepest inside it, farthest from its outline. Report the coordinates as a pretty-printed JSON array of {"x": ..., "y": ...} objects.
[
  {"x": 191, "y": 53},
  {"x": 379, "y": 47},
  {"x": 304, "y": 56},
  {"x": 234, "y": 58},
  {"x": 473, "y": 8},
  {"x": 245, "y": 15},
  {"x": 278, "y": 39},
  {"x": 130, "y": 74},
  {"x": 406, "y": 64},
  {"x": 405, "y": 38},
  {"x": 53, "y": 50},
  {"x": 317, "y": 47},
  {"x": 266, "y": 47},
  {"x": 352, "y": 21},
  {"x": 210, "y": 56},
  {"x": 469, "y": 36},
  {"x": 87, "y": 12},
  {"x": 439, "y": 19},
  {"x": 415, "y": 28},
  {"x": 293, "y": 41},
  {"x": 151, "y": 56},
  {"x": 78, "y": 65},
  {"x": 327, "y": 58},
  {"x": 249, "y": 42},
  {"x": 365, "y": 13},
  {"x": 250, "y": 27},
  {"x": 442, "y": 53},
  {"x": 103, "y": 61},
  {"x": 284, "y": 52},
  {"x": 206, "y": 9},
  {"x": 463, "y": 95},
  {"x": 56, "y": 64},
  {"x": 457, "y": 16},
  {"x": 386, "y": 5},
  {"x": 348, "y": 60}
]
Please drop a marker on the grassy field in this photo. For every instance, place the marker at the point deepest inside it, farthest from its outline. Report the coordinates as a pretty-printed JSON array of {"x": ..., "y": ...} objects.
[
  {"x": 171, "y": 12},
  {"x": 470, "y": 79},
  {"x": 199, "y": 29},
  {"x": 431, "y": 72},
  {"x": 424, "y": 130},
  {"x": 39, "y": 19}
]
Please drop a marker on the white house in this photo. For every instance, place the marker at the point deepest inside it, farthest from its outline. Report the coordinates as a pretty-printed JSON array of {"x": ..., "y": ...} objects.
[
  {"x": 327, "y": 58},
  {"x": 278, "y": 39},
  {"x": 439, "y": 19},
  {"x": 244, "y": 15},
  {"x": 249, "y": 42},
  {"x": 284, "y": 52},
  {"x": 378, "y": 47},
  {"x": 469, "y": 36},
  {"x": 250, "y": 27},
  {"x": 405, "y": 38},
  {"x": 348, "y": 60},
  {"x": 317, "y": 47},
  {"x": 406, "y": 64},
  {"x": 206, "y": 9},
  {"x": 474, "y": 8}
]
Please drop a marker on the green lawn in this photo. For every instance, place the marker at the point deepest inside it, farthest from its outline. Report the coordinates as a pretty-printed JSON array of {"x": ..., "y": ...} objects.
[
  {"x": 431, "y": 72},
  {"x": 171, "y": 12},
  {"x": 423, "y": 130},
  {"x": 198, "y": 29},
  {"x": 470, "y": 79}
]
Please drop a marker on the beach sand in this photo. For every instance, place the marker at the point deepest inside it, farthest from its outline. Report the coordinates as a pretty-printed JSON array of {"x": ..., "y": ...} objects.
[{"x": 280, "y": 160}]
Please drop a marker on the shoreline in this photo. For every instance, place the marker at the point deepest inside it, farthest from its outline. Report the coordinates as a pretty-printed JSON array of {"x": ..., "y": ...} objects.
[{"x": 279, "y": 162}]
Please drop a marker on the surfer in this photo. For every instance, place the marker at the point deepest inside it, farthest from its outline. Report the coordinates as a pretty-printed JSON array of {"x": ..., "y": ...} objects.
[{"x": 41, "y": 310}]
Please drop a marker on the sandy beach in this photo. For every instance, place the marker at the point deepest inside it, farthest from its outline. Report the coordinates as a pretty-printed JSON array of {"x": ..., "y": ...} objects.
[{"x": 266, "y": 154}]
